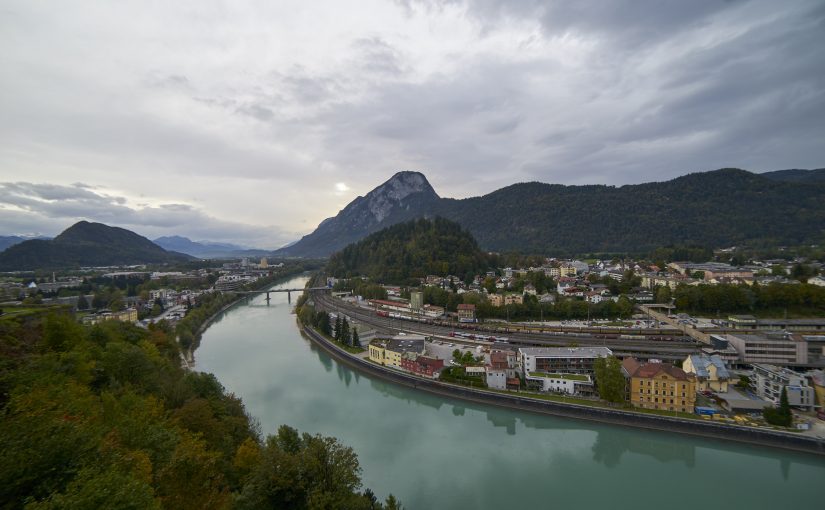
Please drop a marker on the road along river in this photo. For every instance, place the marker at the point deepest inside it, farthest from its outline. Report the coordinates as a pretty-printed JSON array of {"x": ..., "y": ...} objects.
[{"x": 434, "y": 452}]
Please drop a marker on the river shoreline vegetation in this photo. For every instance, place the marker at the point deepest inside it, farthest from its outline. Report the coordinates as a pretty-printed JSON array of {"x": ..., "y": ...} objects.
[{"x": 105, "y": 416}]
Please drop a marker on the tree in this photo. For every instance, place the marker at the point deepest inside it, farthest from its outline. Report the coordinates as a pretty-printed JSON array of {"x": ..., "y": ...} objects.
[
  {"x": 338, "y": 328},
  {"x": 356, "y": 342},
  {"x": 324, "y": 325},
  {"x": 345, "y": 334},
  {"x": 392, "y": 503},
  {"x": 82, "y": 303},
  {"x": 781, "y": 415},
  {"x": 609, "y": 379}
]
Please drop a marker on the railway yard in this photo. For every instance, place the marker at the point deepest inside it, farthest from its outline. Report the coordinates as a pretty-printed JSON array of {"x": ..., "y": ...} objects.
[{"x": 662, "y": 343}]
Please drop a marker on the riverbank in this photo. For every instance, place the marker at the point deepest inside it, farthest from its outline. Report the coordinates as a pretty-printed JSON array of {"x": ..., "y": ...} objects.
[
  {"x": 189, "y": 353},
  {"x": 718, "y": 431}
]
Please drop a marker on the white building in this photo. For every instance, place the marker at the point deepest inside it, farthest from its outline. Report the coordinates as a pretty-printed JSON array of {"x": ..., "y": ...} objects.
[
  {"x": 769, "y": 380},
  {"x": 572, "y": 384}
]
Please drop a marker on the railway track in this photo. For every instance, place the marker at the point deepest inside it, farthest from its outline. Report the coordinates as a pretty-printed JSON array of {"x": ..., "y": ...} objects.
[{"x": 669, "y": 350}]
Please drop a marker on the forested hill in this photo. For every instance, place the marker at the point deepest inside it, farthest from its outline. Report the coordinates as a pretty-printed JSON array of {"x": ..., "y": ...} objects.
[
  {"x": 711, "y": 209},
  {"x": 796, "y": 175},
  {"x": 411, "y": 250},
  {"x": 86, "y": 244},
  {"x": 716, "y": 209}
]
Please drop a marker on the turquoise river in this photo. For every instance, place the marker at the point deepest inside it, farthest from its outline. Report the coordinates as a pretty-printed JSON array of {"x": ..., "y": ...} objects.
[{"x": 436, "y": 453}]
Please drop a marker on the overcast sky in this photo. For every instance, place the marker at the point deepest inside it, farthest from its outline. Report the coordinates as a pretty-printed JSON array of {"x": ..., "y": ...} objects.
[{"x": 250, "y": 122}]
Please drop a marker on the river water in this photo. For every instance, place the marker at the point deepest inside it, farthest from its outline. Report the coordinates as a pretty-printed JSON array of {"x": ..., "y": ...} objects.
[{"x": 436, "y": 453}]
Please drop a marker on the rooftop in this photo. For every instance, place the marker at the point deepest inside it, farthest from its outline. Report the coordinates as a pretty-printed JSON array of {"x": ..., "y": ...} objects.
[
  {"x": 701, "y": 363},
  {"x": 566, "y": 352}
]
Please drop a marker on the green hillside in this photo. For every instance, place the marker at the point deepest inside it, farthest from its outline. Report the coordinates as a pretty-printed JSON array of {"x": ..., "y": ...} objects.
[
  {"x": 411, "y": 250},
  {"x": 721, "y": 208}
]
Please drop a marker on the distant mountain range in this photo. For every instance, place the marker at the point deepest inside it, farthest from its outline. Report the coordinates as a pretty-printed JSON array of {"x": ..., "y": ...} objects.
[
  {"x": 208, "y": 249},
  {"x": 86, "y": 244},
  {"x": 6, "y": 241},
  {"x": 817, "y": 175},
  {"x": 717, "y": 208}
]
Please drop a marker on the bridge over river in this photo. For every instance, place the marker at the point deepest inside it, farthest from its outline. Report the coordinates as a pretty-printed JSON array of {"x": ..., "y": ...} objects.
[{"x": 269, "y": 291}]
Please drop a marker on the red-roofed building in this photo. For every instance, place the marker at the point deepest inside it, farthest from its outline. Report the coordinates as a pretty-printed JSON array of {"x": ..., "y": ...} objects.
[
  {"x": 422, "y": 365},
  {"x": 660, "y": 386}
]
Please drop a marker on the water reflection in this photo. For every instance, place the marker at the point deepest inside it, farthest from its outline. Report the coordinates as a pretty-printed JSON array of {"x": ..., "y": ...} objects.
[
  {"x": 609, "y": 449},
  {"x": 439, "y": 452}
]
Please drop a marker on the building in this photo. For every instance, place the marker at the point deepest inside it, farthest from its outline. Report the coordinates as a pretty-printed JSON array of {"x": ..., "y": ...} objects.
[
  {"x": 502, "y": 371},
  {"x": 778, "y": 347},
  {"x": 746, "y": 322},
  {"x": 421, "y": 365},
  {"x": 560, "y": 360},
  {"x": 432, "y": 311},
  {"x": 659, "y": 386},
  {"x": 229, "y": 282},
  {"x": 710, "y": 371},
  {"x": 466, "y": 312},
  {"x": 567, "y": 270},
  {"x": 390, "y": 351},
  {"x": 513, "y": 299},
  {"x": 496, "y": 299},
  {"x": 416, "y": 301},
  {"x": 571, "y": 384},
  {"x": 565, "y": 283},
  {"x": 819, "y": 281},
  {"x": 127, "y": 315},
  {"x": 768, "y": 381},
  {"x": 818, "y": 380}
]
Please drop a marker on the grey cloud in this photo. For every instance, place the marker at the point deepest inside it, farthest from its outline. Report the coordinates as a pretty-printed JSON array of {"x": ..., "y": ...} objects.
[
  {"x": 379, "y": 57},
  {"x": 59, "y": 206},
  {"x": 571, "y": 92}
]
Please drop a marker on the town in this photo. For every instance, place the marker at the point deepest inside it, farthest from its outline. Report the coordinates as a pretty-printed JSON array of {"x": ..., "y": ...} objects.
[{"x": 642, "y": 353}]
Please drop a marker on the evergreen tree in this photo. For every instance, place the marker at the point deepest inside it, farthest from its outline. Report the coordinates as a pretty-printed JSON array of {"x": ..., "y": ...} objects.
[
  {"x": 785, "y": 407},
  {"x": 82, "y": 303},
  {"x": 356, "y": 342},
  {"x": 345, "y": 335},
  {"x": 338, "y": 328},
  {"x": 324, "y": 324}
]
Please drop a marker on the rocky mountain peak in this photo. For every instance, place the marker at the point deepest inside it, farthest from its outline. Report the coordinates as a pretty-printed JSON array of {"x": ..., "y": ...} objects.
[{"x": 382, "y": 199}]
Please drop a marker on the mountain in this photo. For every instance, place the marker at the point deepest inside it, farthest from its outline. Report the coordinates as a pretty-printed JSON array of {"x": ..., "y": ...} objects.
[
  {"x": 797, "y": 175},
  {"x": 86, "y": 244},
  {"x": 717, "y": 208},
  {"x": 207, "y": 249},
  {"x": 405, "y": 196},
  {"x": 6, "y": 241},
  {"x": 412, "y": 249}
]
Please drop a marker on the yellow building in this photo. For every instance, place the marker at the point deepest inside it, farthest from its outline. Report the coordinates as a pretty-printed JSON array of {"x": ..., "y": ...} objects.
[
  {"x": 710, "y": 372},
  {"x": 377, "y": 350},
  {"x": 567, "y": 271},
  {"x": 513, "y": 299},
  {"x": 389, "y": 351},
  {"x": 128, "y": 315},
  {"x": 659, "y": 386},
  {"x": 496, "y": 299}
]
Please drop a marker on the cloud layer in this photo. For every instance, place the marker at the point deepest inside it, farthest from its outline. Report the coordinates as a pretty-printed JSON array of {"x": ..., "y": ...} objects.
[{"x": 253, "y": 123}]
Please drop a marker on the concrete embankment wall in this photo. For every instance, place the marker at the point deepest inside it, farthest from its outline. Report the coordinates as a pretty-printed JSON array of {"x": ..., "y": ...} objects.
[{"x": 619, "y": 417}]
